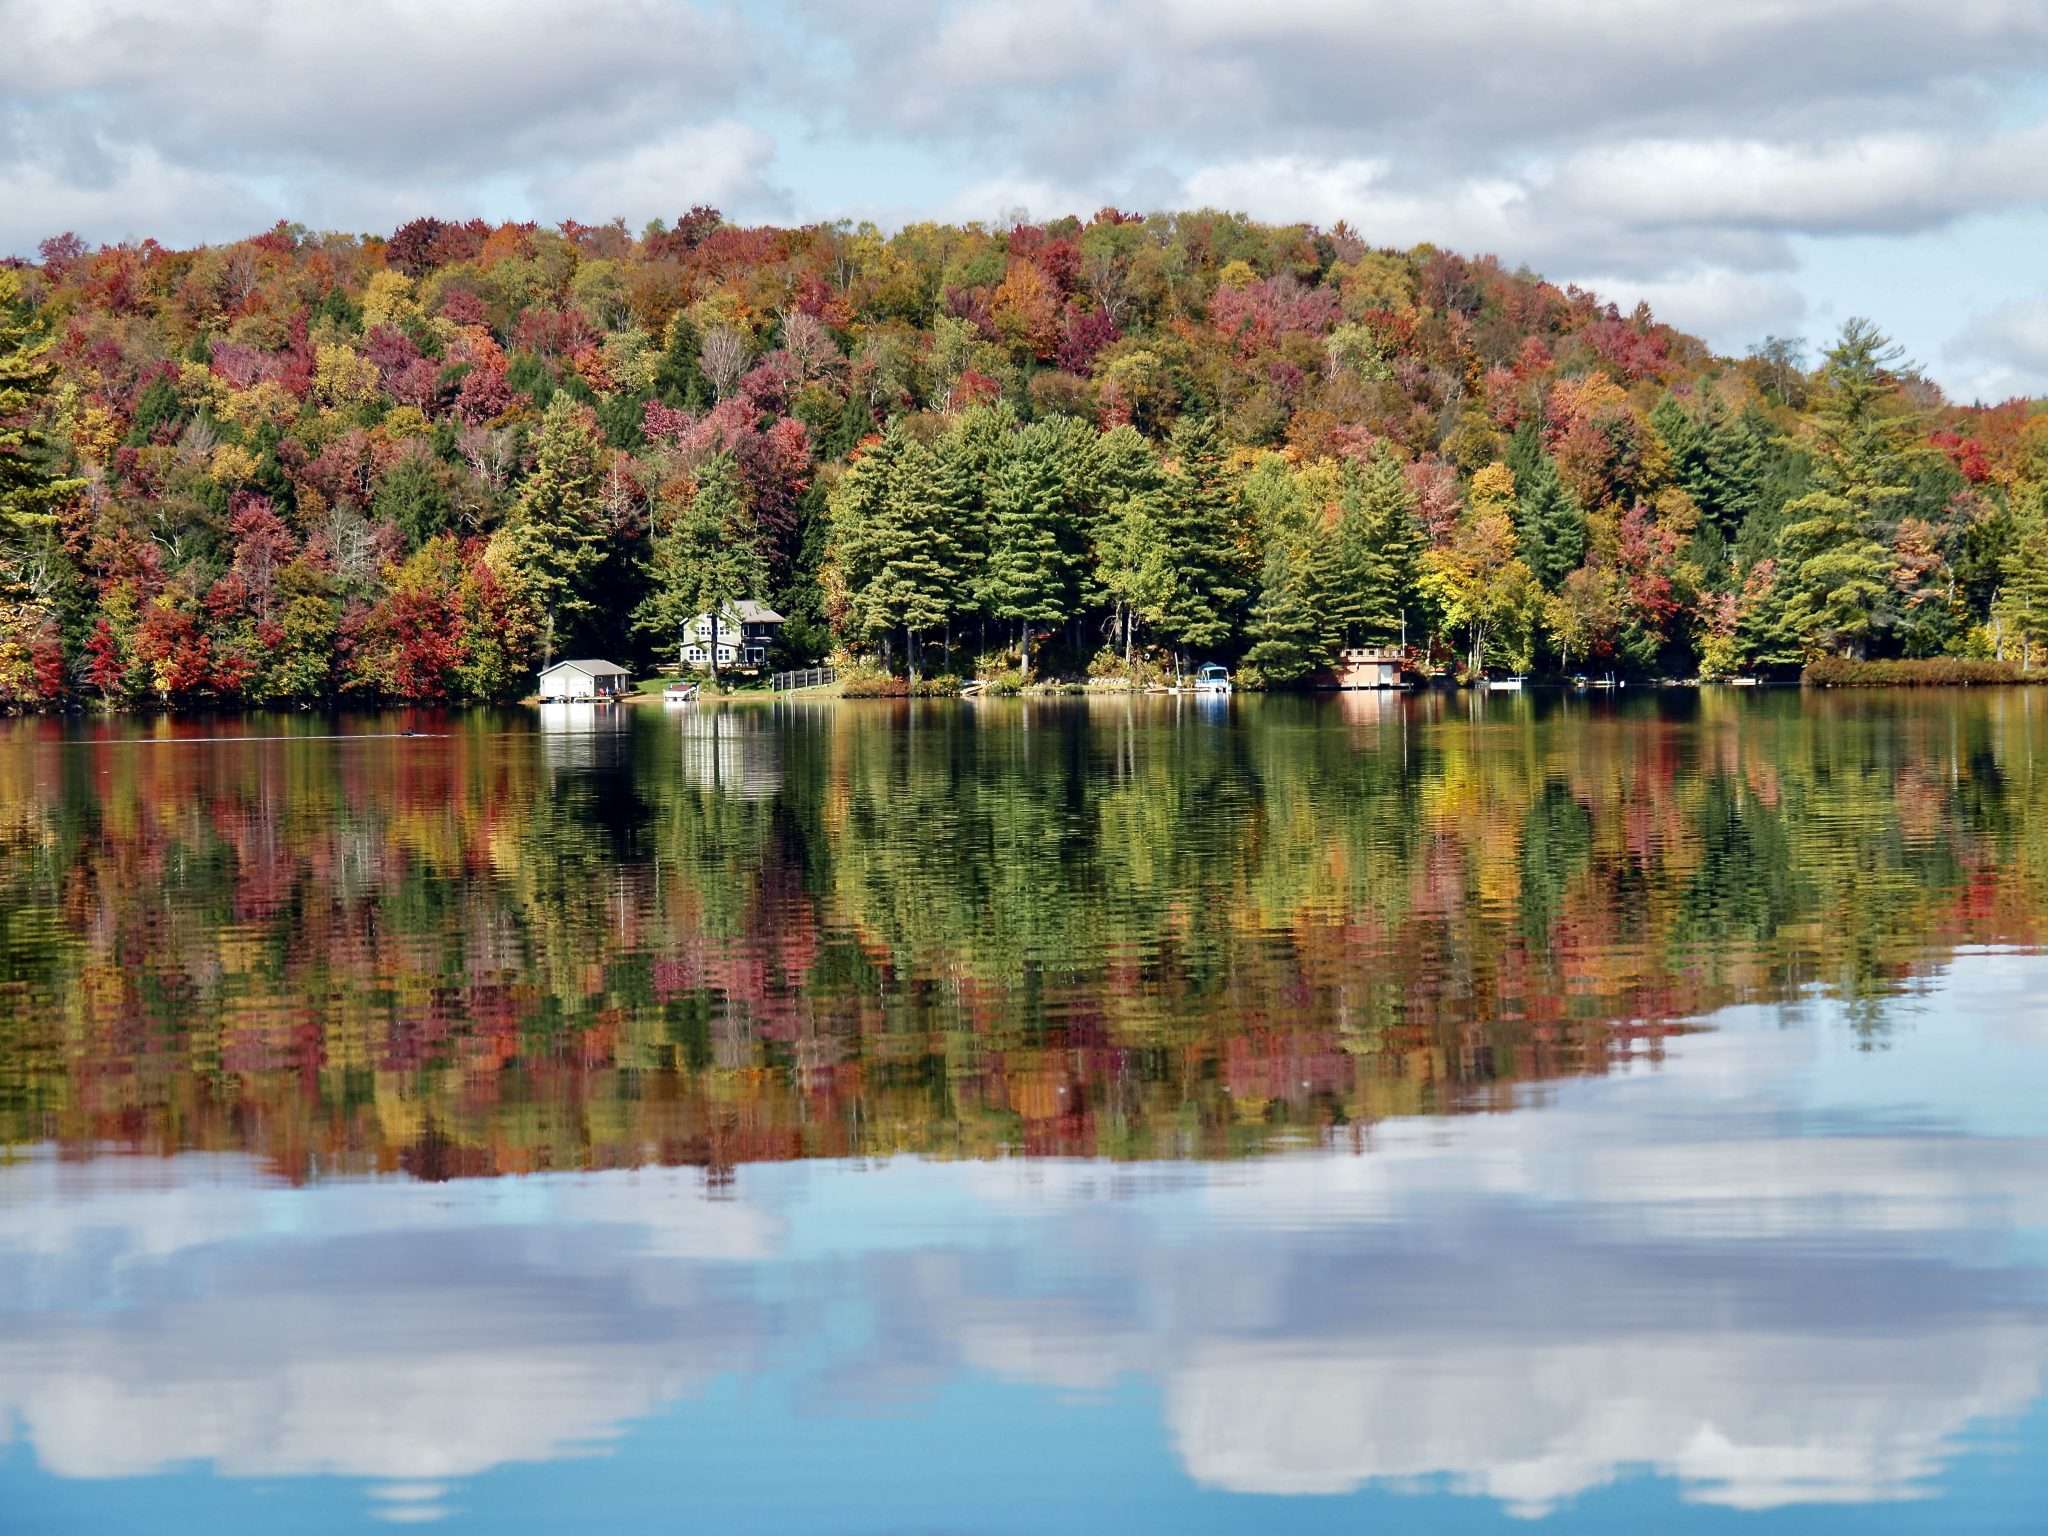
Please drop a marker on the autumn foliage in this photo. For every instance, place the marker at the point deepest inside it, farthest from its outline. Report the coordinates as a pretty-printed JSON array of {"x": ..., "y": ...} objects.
[{"x": 291, "y": 466}]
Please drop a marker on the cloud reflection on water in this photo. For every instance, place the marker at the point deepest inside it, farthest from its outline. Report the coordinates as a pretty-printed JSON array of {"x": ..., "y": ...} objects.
[{"x": 1729, "y": 1271}]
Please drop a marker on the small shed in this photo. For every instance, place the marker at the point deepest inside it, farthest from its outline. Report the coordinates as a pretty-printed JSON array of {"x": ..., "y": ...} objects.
[
  {"x": 584, "y": 680},
  {"x": 1371, "y": 667}
]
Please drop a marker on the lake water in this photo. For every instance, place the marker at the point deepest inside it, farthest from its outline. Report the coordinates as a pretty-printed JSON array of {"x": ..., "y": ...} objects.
[{"x": 1435, "y": 1114}]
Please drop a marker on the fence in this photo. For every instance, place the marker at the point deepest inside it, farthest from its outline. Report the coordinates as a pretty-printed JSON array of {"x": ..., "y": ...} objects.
[{"x": 808, "y": 677}]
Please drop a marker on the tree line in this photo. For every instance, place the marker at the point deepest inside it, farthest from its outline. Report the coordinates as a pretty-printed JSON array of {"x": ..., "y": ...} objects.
[{"x": 313, "y": 467}]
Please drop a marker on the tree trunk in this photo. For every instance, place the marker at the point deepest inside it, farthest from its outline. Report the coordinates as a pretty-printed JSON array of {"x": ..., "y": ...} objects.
[{"x": 714, "y": 648}]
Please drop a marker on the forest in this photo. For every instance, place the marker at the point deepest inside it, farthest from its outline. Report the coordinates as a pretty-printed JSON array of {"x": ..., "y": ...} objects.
[{"x": 313, "y": 468}]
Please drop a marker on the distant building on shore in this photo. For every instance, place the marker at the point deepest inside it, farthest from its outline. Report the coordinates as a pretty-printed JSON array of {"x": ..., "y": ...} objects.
[
  {"x": 745, "y": 631},
  {"x": 585, "y": 680},
  {"x": 1382, "y": 666}
]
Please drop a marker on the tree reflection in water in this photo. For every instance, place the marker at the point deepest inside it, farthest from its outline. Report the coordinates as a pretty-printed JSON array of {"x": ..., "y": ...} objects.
[{"x": 1110, "y": 927}]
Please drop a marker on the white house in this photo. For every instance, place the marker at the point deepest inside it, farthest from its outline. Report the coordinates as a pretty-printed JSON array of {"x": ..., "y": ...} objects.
[
  {"x": 745, "y": 631},
  {"x": 584, "y": 680}
]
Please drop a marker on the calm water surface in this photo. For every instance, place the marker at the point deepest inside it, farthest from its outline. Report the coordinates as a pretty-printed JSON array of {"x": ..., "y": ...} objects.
[{"x": 1405, "y": 1115}]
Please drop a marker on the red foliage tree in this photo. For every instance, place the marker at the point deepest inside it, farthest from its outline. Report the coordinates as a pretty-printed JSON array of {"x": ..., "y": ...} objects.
[
  {"x": 1084, "y": 333},
  {"x": 484, "y": 395}
]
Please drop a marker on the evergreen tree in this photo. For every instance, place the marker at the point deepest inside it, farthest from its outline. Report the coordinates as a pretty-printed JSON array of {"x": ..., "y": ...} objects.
[
  {"x": 1550, "y": 526},
  {"x": 1834, "y": 544},
  {"x": 1199, "y": 524},
  {"x": 2022, "y": 604},
  {"x": 906, "y": 542},
  {"x": 1525, "y": 449},
  {"x": 856, "y": 420},
  {"x": 1071, "y": 444},
  {"x": 550, "y": 542},
  {"x": 1133, "y": 565},
  {"x": 34, "y": 572},
  {"x": 1741, "y": 457},
  {"x": 1025, "y": 578},
  {"x": 1301, "y": 605},
  {"x": 1765, "y": 634},
  {"x": 1290, "y": 626},
  {"x": 703, "y": 562},
  {"x": 1379, "y": 540},
  {"x": 412, "y": 497},
  {"x": 857, "y": 510},
  {"x": 679, "y": 376},
  {"x": 30, "y": 488},
  {"x": 1719, "y": 463},
  {"x": 957, "y": 514},
  {"x": 1123, "y": 508}
]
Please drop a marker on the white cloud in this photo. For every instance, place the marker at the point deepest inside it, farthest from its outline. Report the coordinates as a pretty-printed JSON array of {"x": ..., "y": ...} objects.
[
  {"x": 1884, "y": 182},
  {"x": 140, "y": 195},
  {"x": 212, "y": 119},
  {"x": 2004, "y": 351},
  {"x": 724, "y": 163},
  {"x": 1729, "y": 308},
  {"x": 1747, "y": 1421}
]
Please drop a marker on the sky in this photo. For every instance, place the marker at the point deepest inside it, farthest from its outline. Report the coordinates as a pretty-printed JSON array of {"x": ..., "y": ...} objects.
[{"x": 1748, "y": 167}]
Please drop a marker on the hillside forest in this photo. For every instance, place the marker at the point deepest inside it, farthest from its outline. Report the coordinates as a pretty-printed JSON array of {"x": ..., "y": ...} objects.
[{"x": 313, "y": 468}]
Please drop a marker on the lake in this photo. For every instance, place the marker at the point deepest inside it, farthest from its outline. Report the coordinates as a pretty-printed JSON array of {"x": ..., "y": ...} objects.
[{"x": 1412, "y": 1114}]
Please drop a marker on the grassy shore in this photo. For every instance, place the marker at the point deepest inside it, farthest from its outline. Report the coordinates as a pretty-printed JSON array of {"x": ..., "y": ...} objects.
[{"x": 1930, "y": 672}]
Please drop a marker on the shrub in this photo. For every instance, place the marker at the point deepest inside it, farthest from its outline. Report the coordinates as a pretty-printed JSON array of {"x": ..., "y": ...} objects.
[
  {"x": 1144, "y": 671},
  {"x": 1932, "y": 672},
  {"x": 874, "y": 685},
  {"x": 865, "y": 680}
]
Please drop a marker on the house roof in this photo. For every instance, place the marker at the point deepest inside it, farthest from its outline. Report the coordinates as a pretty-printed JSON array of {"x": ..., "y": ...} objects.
[
  {"x": 588, "y": 668},
  {"x": 747, "y": 611}
]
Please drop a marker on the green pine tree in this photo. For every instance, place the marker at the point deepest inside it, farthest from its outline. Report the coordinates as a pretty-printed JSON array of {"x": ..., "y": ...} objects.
[
  {"x": 703, "y": 562},
  {"x": 551, "y": 540},
  {"x": 1199, "y": 524},
  {"x": 1379, "y": 539},
  {"x": 1834, "y": 548},
  {"x": 910, "y": 570},
  {"x": 2022, "y": 602},
  {"x": 679, "y": 376},
  {"x": 1550, "y": 526},
  {"x": 413, "y": 498},
  {"x": 30, "y": 487},
  {"x": 1025, "y": 579},
  {"x": 1290, "y": 627},
  {"x": 1122, "y": 507}
]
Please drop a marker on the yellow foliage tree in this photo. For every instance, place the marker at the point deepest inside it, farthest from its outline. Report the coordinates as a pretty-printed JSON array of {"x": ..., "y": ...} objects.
[
  {"x": 232, "y": 464},
  {"x": 388, "y": 300},
  {"x": 342, "y": 376}
]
